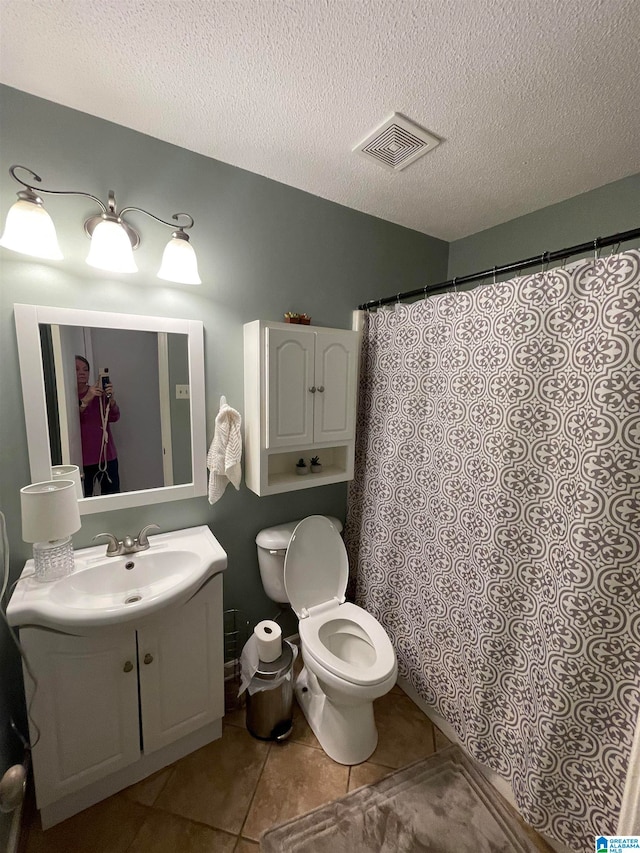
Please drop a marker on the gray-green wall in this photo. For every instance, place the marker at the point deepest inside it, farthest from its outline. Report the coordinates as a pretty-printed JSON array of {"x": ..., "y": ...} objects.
[
  {"x": 607, "y": 210},
  {"x": 263, "y": 248}
]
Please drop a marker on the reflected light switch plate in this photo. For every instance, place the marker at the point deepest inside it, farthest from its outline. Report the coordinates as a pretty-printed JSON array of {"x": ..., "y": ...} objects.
[{"x": 182, "y": 392}]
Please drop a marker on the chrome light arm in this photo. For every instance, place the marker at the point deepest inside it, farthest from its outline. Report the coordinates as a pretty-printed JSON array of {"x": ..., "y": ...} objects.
[
  {"x": 163, "y": 221},
  {"x": 32, "y": 195}
]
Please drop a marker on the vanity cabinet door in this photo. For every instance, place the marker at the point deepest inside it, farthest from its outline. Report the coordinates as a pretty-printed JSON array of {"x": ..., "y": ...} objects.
[
  {"x": 335, "y": 381},
  {"x": 290, "y": 378},
  {"x": 85, "y": 705},
  {"x": 181, "y": 669}
]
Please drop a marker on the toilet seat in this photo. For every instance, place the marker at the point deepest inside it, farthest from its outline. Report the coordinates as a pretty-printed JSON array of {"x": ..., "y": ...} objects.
[
  {"x": 349, "y": 618},
  {"x": 316, "y": 566},
  {"x": 316, "y": 570}
]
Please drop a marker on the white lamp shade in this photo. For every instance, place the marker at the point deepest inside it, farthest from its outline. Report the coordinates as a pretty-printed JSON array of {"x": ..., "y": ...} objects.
[
  {"x": 111, "y": 248},
  {"x": 30, "y": 230},
  {"x": 68, "y": 472},
  {"x": 49, "y": 510},
  {"x": 179, "y": 262}
]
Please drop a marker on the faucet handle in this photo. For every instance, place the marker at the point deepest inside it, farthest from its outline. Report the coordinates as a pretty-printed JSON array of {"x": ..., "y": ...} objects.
[
  {"x": 113, "y": 548},
  {"x": 142, "y": 540}
]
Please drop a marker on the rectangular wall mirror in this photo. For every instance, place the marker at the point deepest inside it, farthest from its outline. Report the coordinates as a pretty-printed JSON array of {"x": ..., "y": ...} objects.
[{"x": 157, "y": 432}]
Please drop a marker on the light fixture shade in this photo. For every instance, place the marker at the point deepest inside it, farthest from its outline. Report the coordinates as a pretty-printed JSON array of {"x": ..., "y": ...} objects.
[
  {"x": 179, "y": 262},
  {"x": 49, "y": 510},
  {"x": 68, "y": 472},
  {"x": 30, "y": 230},
  {"x": 111, "y": 248}
]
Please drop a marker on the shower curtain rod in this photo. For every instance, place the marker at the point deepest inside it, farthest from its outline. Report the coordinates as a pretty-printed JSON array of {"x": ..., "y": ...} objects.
[{"x": 544, "y": 258}]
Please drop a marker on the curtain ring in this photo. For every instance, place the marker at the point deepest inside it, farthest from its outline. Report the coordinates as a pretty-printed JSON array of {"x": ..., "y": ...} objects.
[
  {"x": 494, "y": 274},
  {"x": 615, "y": 248},
  {"x": 425, "y": 292},
  {"x": 595, "y": 249},
  {"x": 455, "y": 286},
  {"x": 545, "y": 262}
]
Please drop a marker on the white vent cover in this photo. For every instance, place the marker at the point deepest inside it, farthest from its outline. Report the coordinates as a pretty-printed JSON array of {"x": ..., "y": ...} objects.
[{"x": 397, "y": 143}]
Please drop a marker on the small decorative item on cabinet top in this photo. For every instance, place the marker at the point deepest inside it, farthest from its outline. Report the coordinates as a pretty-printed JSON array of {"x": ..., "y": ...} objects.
[
  {"x": 301, "y": 467},
  {"x": 316, "y": 465},
  {"x": 292, "y": 317}
]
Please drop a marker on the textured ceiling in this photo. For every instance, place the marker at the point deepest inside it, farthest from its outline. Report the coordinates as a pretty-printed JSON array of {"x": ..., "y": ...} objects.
[{"x": 536, "y": 100}]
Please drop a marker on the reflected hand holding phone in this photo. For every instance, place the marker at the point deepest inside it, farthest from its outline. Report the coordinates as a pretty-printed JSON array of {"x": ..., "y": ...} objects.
[{"x": 105, "y": 381}]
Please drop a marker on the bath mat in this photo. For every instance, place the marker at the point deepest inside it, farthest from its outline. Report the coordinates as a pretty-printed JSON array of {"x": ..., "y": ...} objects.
[{"x": 440, "y": 804}]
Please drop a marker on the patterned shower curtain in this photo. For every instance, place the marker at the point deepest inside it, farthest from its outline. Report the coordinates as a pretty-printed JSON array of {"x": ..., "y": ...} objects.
[{"x": 494, "y": 525}]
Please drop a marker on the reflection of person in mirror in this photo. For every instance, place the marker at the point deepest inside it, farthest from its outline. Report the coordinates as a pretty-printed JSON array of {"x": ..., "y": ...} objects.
[{"x": 98, "y": 409}]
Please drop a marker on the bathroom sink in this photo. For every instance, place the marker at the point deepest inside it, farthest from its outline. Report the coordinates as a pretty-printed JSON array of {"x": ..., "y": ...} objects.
[
  {"x": 125, "y": 579},
  {"x": 110, "y": 590}
]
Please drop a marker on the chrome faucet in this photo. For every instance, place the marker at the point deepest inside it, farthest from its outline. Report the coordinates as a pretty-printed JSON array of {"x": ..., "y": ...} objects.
[{"x": 115, "y": 548}]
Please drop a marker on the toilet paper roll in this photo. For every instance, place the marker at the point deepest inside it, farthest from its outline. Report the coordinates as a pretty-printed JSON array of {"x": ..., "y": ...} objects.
[{"x": 269, "y": 638}]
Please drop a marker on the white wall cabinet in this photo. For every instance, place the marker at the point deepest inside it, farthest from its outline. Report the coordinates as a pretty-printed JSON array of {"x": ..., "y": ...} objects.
[
  {"x": 115, "y": 706},
  {"x": 300, "y": 400}
]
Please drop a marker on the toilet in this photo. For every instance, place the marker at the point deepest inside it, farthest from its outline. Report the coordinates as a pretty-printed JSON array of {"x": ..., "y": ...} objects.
[{"x": 348, "y": 658}]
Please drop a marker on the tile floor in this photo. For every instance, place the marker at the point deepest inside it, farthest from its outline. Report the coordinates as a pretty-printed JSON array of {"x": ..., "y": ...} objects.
[{"x": 221, "y": 798}]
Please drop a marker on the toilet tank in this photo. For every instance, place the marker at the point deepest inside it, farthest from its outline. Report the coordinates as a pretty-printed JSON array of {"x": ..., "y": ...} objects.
[{"x": 272, "y": 545}]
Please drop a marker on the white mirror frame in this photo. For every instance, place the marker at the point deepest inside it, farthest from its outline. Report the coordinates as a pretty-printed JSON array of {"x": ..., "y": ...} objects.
[{"x": 28, "y": 319}]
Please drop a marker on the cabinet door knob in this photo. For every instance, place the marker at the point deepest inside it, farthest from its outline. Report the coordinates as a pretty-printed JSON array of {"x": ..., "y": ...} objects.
[
  {"x": 128, "y": 666},
  {"x": 321, "y": 388},
  {"x": 148, "y": 658},
  {"x": 313, "y": 389}
]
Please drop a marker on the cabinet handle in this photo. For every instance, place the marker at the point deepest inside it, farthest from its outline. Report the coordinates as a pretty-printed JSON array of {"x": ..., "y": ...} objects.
[
  {"x": 321, "y": 388},
  {"x": 148, "y": 658},
  {"x": 128, "y": 666},
  {"x": 313, "y": 389}
]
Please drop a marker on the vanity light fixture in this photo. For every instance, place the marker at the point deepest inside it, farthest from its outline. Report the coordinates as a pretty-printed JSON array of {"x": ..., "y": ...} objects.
[{"x": 30, "y": 230}]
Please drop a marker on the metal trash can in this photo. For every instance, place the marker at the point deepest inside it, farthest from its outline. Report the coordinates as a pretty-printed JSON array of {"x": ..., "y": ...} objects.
[{"x": 270, "y": 709}]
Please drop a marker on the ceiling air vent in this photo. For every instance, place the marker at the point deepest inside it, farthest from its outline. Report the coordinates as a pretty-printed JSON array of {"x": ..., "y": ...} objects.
[{"x": 397, "y": 143}]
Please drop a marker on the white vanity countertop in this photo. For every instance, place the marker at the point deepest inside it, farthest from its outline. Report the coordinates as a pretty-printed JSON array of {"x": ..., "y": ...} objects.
[{"x": 104, "y": 591}]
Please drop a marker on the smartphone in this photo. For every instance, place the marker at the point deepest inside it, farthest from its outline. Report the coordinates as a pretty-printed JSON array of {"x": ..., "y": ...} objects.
[{"x": 104, "y": 379}]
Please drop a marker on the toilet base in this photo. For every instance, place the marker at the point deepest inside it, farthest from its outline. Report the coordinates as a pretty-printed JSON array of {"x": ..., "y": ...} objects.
[{"x": 347, "y": 733}]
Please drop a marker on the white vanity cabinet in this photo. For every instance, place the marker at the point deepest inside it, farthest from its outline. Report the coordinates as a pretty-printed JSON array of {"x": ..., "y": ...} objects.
[
  {"x": 180, "y": 668},
  {"x": 300, "y": 401},
  {"x": 115, "y": 705},
  {"x": 85, "y": 705}
]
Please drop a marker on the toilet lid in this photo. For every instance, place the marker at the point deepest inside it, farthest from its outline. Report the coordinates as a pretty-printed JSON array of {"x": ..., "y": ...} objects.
[{"x": 316, "y": 568}]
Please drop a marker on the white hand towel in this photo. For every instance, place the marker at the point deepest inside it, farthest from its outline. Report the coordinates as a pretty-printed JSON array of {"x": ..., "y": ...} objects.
[{"x": 225, "y": 454}]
